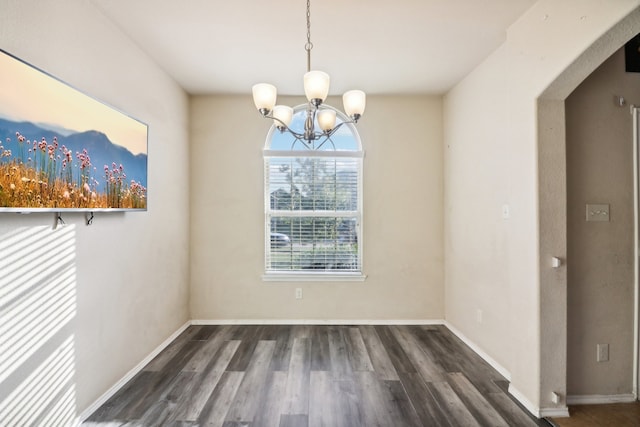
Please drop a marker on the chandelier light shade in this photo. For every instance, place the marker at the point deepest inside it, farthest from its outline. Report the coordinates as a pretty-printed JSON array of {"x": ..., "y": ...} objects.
[
  {"x": 316, "y": 89},
  {"x": 282, "y": 116},
  {"x": 327, "y": 119},
  {"x": 316, "y": 86},
  {"x": 264, "y": 96},
  {"x": 354, "y": 102}
]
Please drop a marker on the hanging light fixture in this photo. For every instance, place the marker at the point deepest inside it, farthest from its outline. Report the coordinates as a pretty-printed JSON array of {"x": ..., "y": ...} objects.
[{"x": 316, "y": 88}]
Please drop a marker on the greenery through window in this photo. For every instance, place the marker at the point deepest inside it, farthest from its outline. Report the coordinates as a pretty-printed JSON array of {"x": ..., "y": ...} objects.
[{"x": 313, "y": 202}]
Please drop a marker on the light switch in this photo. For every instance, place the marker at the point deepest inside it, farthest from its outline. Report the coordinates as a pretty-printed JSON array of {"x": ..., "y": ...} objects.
[
  {"x": 598, "y": 212},
  {"x": 506, "y": 212}
]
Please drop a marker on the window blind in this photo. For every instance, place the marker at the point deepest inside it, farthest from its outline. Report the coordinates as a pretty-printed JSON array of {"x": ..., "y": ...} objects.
[{"x": 312, "y": 206}]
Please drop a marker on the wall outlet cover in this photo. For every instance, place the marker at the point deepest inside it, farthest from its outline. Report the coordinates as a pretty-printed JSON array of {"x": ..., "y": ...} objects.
[
  {"x": 597, "y": 212},
  {"x": 602, "y": 353}
]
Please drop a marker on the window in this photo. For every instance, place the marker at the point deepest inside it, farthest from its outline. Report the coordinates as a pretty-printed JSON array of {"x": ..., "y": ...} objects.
[{"x": 313, "y": 204}]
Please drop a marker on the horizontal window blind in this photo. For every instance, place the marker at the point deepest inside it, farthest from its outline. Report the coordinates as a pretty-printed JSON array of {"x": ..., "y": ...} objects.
[{"x": 313, "y": 218}]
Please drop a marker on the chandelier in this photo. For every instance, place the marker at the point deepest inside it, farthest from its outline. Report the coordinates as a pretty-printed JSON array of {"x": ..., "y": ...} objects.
[{"x": 316, "y": 88}]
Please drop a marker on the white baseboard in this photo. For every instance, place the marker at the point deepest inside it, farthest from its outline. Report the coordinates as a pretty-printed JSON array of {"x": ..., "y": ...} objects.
[
  {"x": 316, "y": 322},
  {"x": 596, "y": 399},
  {"x": 498, "y": 367},
  {"x": 528, "y": 405},
  {"x": 129, "y": 375},
  {"x": 562, "y": 412},
  {"x": 558, "y": 412}
]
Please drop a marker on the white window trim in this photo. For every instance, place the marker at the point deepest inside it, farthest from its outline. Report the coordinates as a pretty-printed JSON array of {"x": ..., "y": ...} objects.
[
  {"x": 328, "y": 276},
  {"x": 319, "y": 276},
  {"x": 278, "y": 153}
]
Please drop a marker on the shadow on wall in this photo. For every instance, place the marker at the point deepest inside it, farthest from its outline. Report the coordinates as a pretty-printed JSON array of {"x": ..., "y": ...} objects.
[{"x": 37, "y": 309}]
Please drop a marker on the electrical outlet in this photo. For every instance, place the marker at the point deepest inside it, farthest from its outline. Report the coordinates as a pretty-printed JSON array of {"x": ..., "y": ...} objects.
[
  {"x": 298, "y": 293},
  {"x": 602, "y": 352},
  {"x": 555, "y": 397},
  {"x": 479, "y": 316},
  {"x": 597, "y": 212}
]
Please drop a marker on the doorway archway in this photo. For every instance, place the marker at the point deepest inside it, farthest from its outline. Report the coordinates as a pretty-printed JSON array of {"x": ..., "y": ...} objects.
[{"x": 552, "y": 204}]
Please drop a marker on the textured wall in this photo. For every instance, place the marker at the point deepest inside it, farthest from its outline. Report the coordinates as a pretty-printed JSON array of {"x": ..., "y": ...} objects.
[
  {"x": 553, "y": 200},
  {"x": 403, "y": 229},
  {"x": 600, "y": 254},
  {"x": 491, "y": 115},
  {"x": 92, "y": 302}
]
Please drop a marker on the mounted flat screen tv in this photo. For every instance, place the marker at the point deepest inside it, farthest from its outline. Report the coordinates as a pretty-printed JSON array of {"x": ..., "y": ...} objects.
[{"x": 61, "y": 150}]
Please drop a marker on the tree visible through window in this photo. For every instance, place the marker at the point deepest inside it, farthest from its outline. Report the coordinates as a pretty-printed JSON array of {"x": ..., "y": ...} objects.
[{"x": 313, "y": 201}]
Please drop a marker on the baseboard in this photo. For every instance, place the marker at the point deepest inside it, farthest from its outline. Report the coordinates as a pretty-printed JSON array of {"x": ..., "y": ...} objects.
[
  {"x": 495, "y": 365},
  {"x": 317, "y": 322},
  {"x": 129, "y": 375},
  {"x": 562, "y": 412},
  {"x": 596, "y": 399},
  {"x": 526, "y": 403}
]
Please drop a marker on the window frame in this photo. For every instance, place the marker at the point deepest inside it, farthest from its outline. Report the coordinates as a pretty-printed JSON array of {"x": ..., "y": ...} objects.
[{"x": 314, "y": 275}]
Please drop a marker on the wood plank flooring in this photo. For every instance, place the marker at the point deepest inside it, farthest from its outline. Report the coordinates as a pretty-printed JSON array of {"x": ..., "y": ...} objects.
[
  {"x": 606, "y": 415},
  {"x": 312, "y": 376}
]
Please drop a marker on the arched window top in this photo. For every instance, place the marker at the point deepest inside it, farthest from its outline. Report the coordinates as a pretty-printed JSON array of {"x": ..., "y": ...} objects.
[
  {"x": 313, "y": 203},
  {"x": 345, "y": 139}
]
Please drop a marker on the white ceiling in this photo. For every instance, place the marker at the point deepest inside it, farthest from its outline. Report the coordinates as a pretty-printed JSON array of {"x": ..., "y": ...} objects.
[{"x": 379, "y": 46}]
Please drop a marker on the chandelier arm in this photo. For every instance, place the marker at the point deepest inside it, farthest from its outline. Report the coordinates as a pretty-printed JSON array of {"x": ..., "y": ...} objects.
[
  {"x": 332, "y": 131},
  {"x": 284, "y": 125},
  {"x": 327, "y": 138},
  {"x": 302, "y": 135},
  {"x": 305, "y": 144}
]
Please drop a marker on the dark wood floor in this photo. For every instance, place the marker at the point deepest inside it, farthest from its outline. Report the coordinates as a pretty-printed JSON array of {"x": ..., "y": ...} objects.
[{"x": 291, "y": 376}]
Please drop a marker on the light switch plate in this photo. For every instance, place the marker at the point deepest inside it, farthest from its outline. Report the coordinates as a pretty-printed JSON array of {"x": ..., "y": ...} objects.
[
  {"x": 597, "y": 212},
  {"x": 602, "y": 353},
  {"x": 506, "y": 212}
]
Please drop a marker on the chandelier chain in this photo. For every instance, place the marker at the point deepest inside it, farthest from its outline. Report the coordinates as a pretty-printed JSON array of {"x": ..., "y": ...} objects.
[{"x": 308, "y": 46}]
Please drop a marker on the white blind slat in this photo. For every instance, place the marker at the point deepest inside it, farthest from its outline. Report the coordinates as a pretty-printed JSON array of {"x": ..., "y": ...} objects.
[{"x": 313, "y": 213}]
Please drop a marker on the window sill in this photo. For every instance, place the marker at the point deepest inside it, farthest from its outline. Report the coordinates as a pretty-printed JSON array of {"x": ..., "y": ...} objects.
[{"x": 284, "y": 276}]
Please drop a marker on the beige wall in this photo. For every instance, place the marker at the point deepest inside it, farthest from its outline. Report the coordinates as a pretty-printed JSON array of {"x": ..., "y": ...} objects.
[
  {"x": 403, "y": 228},
  {"x": 493, "y": 114},
  {"x": 123, "y": 279},
  {"x": 478, "y": 240},
  {"x": 492, "y": 264},
  {"x": 600, "y": 254}
]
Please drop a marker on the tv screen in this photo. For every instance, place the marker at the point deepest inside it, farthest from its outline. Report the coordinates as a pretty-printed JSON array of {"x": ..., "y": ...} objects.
[{"x": 61, "y": 150}]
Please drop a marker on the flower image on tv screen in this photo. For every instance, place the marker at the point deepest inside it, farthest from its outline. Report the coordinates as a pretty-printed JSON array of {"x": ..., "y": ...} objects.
[{"x": 63, "y": 150}]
